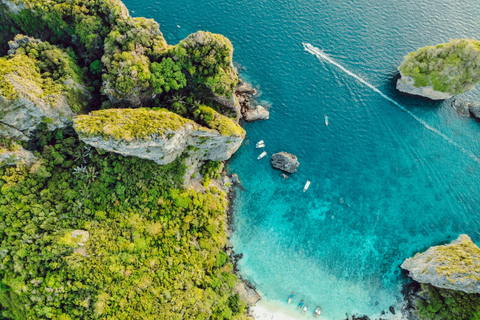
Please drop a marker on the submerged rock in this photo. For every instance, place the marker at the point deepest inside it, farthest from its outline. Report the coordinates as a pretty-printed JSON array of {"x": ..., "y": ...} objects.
[
  {"x": 462, "y": 107},
  {"x": 454, "y": 266},
  {"x": 406, "y": 85},
  {"x": 258, "y": 113},
  {"x": 161, "y": 135},
  {"x": 285, "y": 161}
]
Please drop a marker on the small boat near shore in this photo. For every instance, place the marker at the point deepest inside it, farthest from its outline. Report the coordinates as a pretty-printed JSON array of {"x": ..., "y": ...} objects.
[
  {"x": 326, "y": 120},
  {"x": 260, "y": 145},
  {"x": 260, "y": 142},
  {"x": 263, "y": 154},
  {"x": 306, "y": 186}
]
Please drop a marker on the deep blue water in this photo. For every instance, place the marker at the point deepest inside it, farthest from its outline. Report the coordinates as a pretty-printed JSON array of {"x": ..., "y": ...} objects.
[{"x": 383, "y": 186}]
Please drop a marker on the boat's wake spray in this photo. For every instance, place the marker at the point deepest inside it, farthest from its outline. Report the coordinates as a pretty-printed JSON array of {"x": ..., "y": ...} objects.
[{"x": 322, "y": 56}]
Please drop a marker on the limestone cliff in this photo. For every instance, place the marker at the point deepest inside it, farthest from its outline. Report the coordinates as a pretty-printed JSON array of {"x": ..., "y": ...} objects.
[
  {"x": 28, "y": 97},
  {"x": 406, "y": 84},
  {"x": 159, "y": 135},
  {"x": 453, "y": 266}
]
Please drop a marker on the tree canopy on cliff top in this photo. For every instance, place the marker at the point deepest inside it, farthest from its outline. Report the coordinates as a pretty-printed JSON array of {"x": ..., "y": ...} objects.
[{"x": 452, "y": 67}]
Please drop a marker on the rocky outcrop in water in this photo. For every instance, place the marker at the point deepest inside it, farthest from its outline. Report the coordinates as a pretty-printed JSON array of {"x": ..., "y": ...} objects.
[
  {"x": 475, "y": 110},
  {"x": 466, "y": 109},
  {"x": 285, "y": 161},
  {"x": 161, "y": 136},
  {"x": 257, "y": 113},
  {"x": 406, "y": 85},
  {"x": 461, "y": 107},
  {"x": 454, "y": 266},
  {"x": 441, "y": 71}
]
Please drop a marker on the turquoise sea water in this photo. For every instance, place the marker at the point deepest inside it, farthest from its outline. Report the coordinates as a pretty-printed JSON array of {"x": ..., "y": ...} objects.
[{"x": 383, "y": 186}]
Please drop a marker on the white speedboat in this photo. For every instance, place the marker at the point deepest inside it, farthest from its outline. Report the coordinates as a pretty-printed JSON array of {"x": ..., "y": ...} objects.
[
  {"x": 306, "y": 46},
  {"x": 306, "y": 186},
  {"x": 260, "y": 142},
  {"x": 263, "y": 154},
  {"x": 262, "y": 145}
]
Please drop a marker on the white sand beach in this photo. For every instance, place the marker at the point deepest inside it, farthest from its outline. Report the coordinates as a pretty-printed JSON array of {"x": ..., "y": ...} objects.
[{"x": 269, "y": 310}]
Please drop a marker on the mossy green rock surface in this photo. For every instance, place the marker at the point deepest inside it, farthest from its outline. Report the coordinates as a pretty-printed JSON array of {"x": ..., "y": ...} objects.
[
  {"x": 159, "y": 135},
  {"x": 39, "y": 83},
  {"x": 454, "y": 266},
  {"x": 439, "y": 72}
]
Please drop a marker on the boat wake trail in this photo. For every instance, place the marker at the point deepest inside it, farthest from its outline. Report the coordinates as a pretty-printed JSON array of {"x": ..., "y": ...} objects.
[{"x": 322, "y": 56}]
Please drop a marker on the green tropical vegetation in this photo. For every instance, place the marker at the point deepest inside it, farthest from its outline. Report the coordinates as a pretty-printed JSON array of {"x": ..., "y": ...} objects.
[
  {"x": 444, "y": 304},
  {"x": 41, "y": 67},
  {"x": 452, "y": 67},
  {"x": 154, "y": 248}
]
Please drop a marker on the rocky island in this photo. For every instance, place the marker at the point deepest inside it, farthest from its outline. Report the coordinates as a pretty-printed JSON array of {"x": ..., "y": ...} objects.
[
  {"x": 442, "y": 71},
  {"x": 450, "y": 278}
]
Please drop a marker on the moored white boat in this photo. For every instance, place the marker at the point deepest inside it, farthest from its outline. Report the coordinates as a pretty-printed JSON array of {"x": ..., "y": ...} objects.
[
  {"x": 306, "y": 186},
  {"x": 261, "y": 145},
  {"x": 263, "y": 154},
  {"x": 260, "y": 142}
]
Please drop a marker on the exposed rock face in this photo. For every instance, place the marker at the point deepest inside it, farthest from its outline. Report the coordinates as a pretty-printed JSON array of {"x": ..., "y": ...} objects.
[
  {"x": 247, "y": 293},
  {"x": 475, "y": 110},
  {"x": 231, "y": 104},
  {"x": 461, "y": 107},
  {"x": 10, "y": 158},
  {"x": 285, "y": 161},
  {"x": 160, "y": 136},
  {"x": 25, "y": 101},
  {"x": 405, "y": 84},
  {"x": 259, "y": 113},
  {"x": 466, "y": 109},
  {"x": 454, "y": 266}
]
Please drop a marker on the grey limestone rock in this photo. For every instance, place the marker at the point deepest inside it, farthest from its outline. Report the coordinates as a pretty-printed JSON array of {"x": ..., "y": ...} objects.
[
  {"x": 165, "y": 148},
  {"x": 19, "y": 156},
  {"x": 235, "y": 179},
  {"x": 285, "y": 161},
  {"x": 454, "y": 266},
  {"x": 258, "y": 113},
  {"x": 461, "y": 107},
  {"x": 245, "y": 88},
  {"x": 231, "y": 104},
  {"x": 405, "y": 84},
  {"x": 475, "y": 110},
  {"x": 247, "y": 293}
]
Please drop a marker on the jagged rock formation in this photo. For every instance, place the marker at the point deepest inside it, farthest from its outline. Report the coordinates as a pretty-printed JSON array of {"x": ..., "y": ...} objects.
[
  {"x": 20, "y": 155},
  {"x": 475, "y": 110},
  {"x": 161, "y": 136},
  {"x": 454, "y": 266},
  {"x": 461, "y": 107},
  {"x": 26, "y": 99},
  {"x": 466, "y": 108},
  {"x": 406, "y": 84},
  {"x": 258, "y": 113},
  {"x": 442, "y": 71},
  {"x": 247, "y": 293},
  {"x": 285, "y": 161}
]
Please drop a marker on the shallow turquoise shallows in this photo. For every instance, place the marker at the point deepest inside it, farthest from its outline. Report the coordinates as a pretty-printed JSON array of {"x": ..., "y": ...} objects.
[{"x": 384, "y": 185}]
